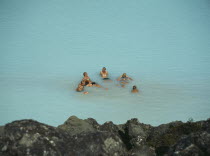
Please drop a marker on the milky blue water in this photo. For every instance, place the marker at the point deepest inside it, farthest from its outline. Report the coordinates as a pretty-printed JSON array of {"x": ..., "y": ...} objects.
[{"x": 45, "y": 46}]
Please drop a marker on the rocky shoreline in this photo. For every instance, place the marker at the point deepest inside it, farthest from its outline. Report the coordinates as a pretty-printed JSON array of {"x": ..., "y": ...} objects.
[{"x": 77, "y": 137}]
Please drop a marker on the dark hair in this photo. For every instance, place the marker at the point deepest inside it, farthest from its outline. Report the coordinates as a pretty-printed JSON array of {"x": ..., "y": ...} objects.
[
  {"x": 124, "y": 75},
  {"x": 84, "y": 73},
  {"x": 86, "y": 82},
  {"x": 134, "y": 87}
]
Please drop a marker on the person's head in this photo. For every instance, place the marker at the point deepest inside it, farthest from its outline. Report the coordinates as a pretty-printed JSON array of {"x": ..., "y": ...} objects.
[
  {"x": 80, "y": 86},
  {"x": 134, "y": 87},
  {"x": 103, "y": 69},
  {"x": 124, "y": 75},
  {"x": 85, "y": 74}
]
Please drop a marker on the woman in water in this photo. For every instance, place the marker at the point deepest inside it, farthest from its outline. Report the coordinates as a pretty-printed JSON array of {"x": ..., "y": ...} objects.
[
  {"x": 80, "y": 87},
  {"x": 86, "y": 78},
  {"x": 134, "y": 90},
  {"x": 87, "y": 82},
  {"x": 124, "y": 79}
]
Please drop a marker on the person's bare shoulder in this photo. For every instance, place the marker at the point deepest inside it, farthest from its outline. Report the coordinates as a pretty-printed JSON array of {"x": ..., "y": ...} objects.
[{"x": 135, "y": 91}]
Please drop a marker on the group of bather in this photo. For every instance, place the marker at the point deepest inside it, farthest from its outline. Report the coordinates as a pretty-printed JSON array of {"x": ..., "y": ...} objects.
[{"x": 87, "y": 82}]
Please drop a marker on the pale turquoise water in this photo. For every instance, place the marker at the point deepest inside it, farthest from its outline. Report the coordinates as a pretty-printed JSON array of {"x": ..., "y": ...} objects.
[{"x": 45, "y": 46}]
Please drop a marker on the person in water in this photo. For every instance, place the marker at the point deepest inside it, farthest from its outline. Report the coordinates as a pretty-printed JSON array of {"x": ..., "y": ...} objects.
[
  {"x": 104, "y": 73},
  {"x": 86, "y": 77},
  {"x": 87, "y": 82},
  {"x": 134, "y": 90},
  {"x": 124, "y": 79},
  {"x": 80, "y": 87},
  {"x": 93, "y": 84}
]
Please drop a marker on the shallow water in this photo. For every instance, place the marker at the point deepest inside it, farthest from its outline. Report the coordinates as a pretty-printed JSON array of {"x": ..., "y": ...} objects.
[{"x": 46, "y": 46}]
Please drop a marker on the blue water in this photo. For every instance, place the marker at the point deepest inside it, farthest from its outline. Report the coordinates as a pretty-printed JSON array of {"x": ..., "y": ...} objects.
[{"x": 45, "y": 46}]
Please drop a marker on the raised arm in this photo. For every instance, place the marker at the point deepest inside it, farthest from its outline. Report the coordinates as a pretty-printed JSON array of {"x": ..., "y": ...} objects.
[
  {"x": 130, "y": 78},
  {"x": 118, "y": 79}
]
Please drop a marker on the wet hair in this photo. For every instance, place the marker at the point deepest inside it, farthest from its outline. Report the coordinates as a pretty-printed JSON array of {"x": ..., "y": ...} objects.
[
  {"x": 84, "y": 73},
  {"x": 93, "y": 83},
  {"x": 134, "y": 87},
  {"x": 104, "y": 68},
  {"x": 123, "y": 75}
]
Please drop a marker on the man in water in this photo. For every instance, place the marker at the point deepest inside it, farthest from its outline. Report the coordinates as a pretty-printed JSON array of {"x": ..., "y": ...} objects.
[
  {"x": 134, "y": 90},
  {"x": 104, "y": 74}
]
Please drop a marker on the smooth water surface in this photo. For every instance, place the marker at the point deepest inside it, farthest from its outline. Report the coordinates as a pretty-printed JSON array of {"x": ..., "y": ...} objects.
[{"x": 45, "y": 46}]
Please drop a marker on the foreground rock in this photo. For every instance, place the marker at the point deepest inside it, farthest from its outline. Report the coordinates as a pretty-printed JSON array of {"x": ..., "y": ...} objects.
[{"x": 78, "y": 137}]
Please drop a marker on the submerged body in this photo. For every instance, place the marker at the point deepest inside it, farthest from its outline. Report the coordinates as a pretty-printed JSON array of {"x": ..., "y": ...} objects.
[
  {"x": 93, "y": 84},
  {"x": 134, "y": 90},
  {"x": 81, "y": 87},
  {"x": 124, "y": 79}
]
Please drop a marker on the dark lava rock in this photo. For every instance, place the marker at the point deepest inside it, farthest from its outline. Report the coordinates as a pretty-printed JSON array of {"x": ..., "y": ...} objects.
[
  {"x": 192, "y": 145},
  {"x": 77, "y": 137},
  {"x": 110, "y": 127},
  {"x": 75, "y": 126},
  {"x": 28, "y": 137},
  {"x": 134, "y": 135},
  {"x": 1, "y": 130},
  {"x": 98, "y": 143}
]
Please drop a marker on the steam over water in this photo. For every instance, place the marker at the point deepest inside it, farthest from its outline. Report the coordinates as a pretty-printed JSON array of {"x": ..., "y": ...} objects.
[{"x": 45, "y": 46}]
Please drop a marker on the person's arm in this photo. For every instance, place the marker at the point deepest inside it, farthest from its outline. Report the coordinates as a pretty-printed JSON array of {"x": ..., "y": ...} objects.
[
  {"x": 130, "y": 78},
  {"x": 119, "y": 78},
  {"x": 101, "y": 87}
]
